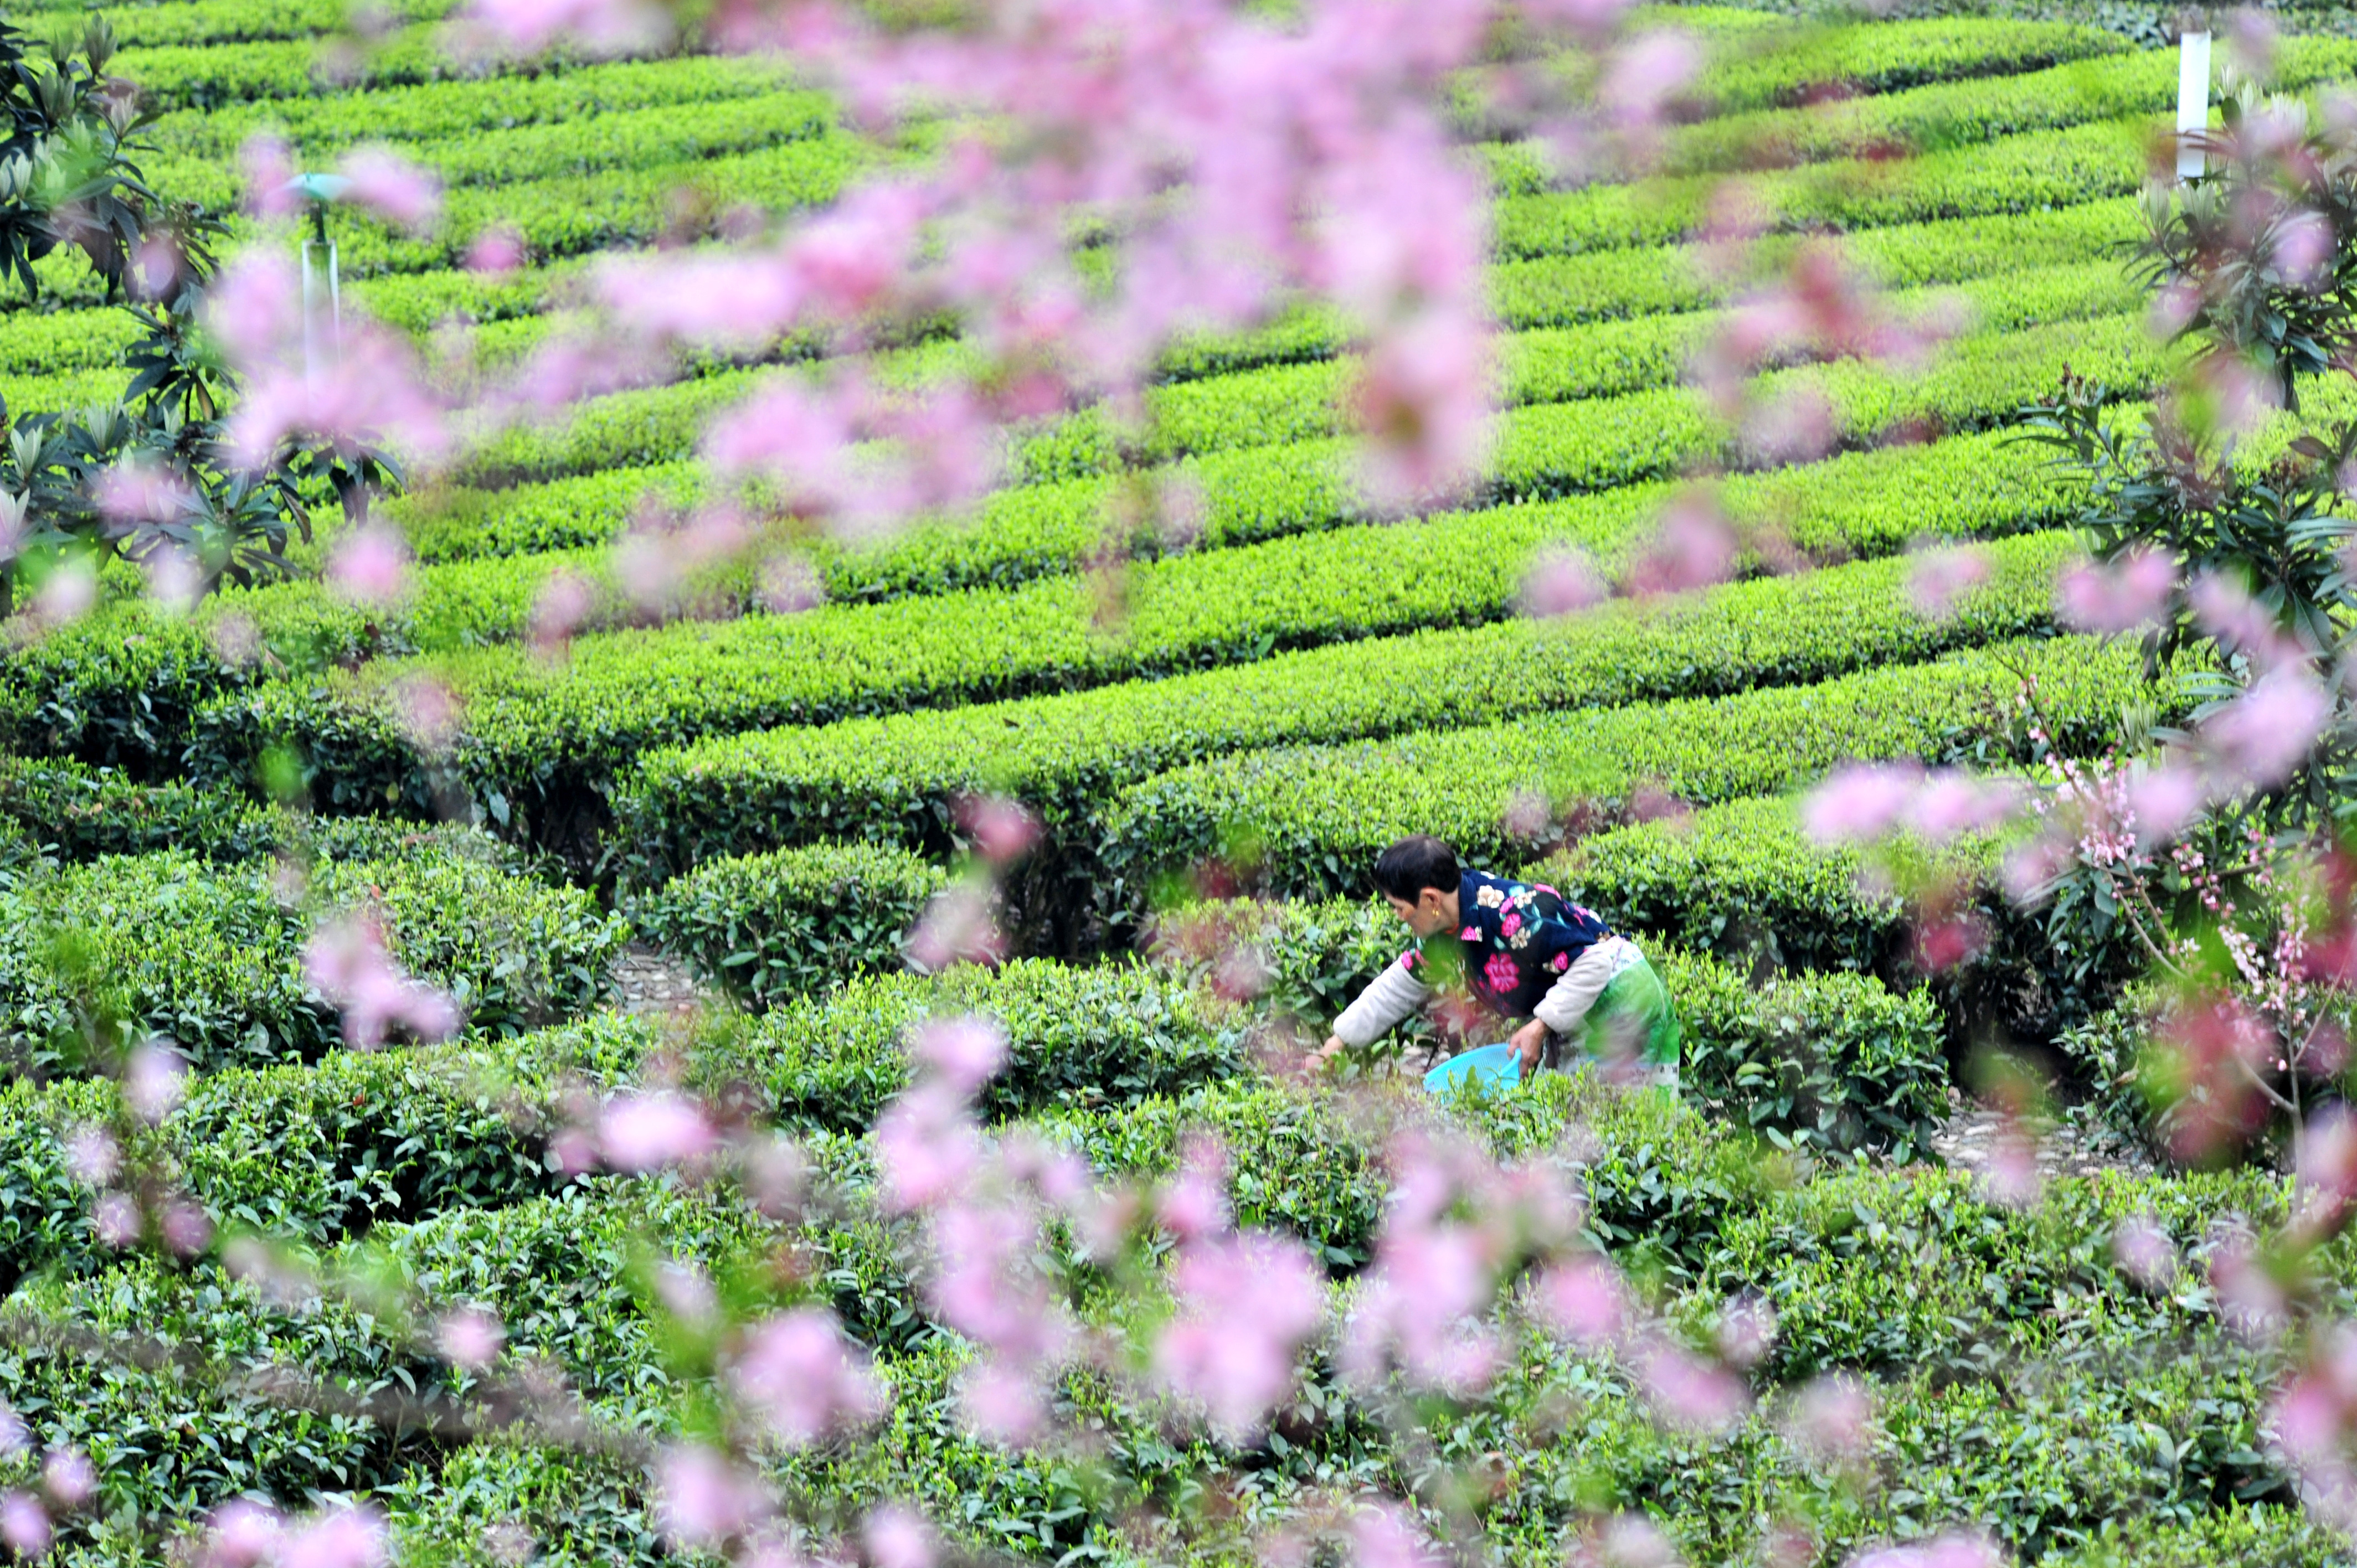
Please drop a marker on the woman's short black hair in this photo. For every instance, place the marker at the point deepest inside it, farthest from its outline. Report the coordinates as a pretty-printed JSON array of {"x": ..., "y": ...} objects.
[{"x": 1413, "y": 865}]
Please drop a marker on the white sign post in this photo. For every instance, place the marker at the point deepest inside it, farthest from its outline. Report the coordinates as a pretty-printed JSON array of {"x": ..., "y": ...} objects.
[{"x": 2192, "y": 101}]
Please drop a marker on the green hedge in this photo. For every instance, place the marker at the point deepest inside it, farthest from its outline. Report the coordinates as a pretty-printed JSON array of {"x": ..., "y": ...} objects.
[
  {"x": 1312, "y": 820},
  {"x": 2007, "y": 175},
  {"x": 534, "y": 732},
  {"x": 212, "y": 958},
  {"x": 1069, "y": 757},
  {"x": 1076, "y": 1037},
  {"x": 775, "y": 926}
]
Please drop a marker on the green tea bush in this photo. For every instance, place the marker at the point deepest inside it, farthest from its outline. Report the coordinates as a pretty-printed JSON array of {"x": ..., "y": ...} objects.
[
  {"x": 1068, "y": 757},
  {"x": 211, "y": 957},
  {"x": 1312, "y": 819},
  {"x": 775, "y": 926},
  {"x": 1075, "y": 1036}
]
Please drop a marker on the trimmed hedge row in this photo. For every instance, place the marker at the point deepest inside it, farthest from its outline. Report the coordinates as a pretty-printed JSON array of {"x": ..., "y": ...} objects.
[
  {"x": 1308, "y": 402},
  {"x": 449, "y": 109},
  {"x": 2010, "y": 174},
  {"x": 211, "y": 957},
  {"x": 534, "y": 729},
  {"x": 1068, "y": 757},
  {"x": 1541, "y": 448},
  {"x": 1079, "y": 1038},
  {"x": 1754, "y": 70},
  {"x": 1820, "y": 1062},
  {"x": 775, "y": 926},
  {"x": 1312, "y": 819}
]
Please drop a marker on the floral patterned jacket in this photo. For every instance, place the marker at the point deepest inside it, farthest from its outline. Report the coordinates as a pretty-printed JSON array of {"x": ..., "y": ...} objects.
[{"x": 1517, "y": 940}]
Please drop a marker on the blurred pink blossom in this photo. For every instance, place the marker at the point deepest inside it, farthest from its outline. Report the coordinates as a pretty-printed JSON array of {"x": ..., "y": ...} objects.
[
  {"x": 185, "y": 1228},
  {"x": 2163, "y": 799},
  {"x": 926, "y": 1147},
  {"x": 591, "y": 26},
  {"x": 2262, "y": 736},
  {"x": 469, "y": 1338},
  {"x": 346, "y": 962},
  {"x": 2012, "y": 1178},
  {"x": 2252, "y": 1301},
  {"x": 800, "y": 1374},
  {"x": 896, "y": 1537},
  {"x": 1384, "y": 1536},
  {"x": 155, "y": 1080},
  {"x": 494, "y": 253},
  {"x": 687, "y": 1293},
  {"x": 427, "y": 711},
  {"x": 1859, "y": 802},
  {"x": 702, "y": 1498},
  {"x": 1195, "y": 1205},
  {"x": 1246, "y": 1305},
  {"x": 68, "y": 1478},
  {"x": 1002, "y": 830},
  {"x": 370, "y": 566},
  {"x": 1562, "y": 582},
  {"x": 1692, "y": 547},
  {"x": 2225, "y": 609},
  {"x": 1831, "y": 1418},
  {"x": 1943, "y": 575},
  {"x": 957, "y": 928},
  {"x": 1944, "y": 941},
  {"x": 1002, "y": 1403},
  {"x": 2144, "y": 1251},
  {"x": 964, "y": 1053},
  {"x": 2127, "y": 593},
  {"x": 647, "y": 1132},
  {"x": 2302, "y": 249},
  {"x": 265, "y": 166},
  {"x": 115, "y": 1219},
  {"x": 395, "y": 189},
  {"x": 91, "y": 1155},
  {"x": 560, "y": 609},
  {"x": 791, "y": 585},
  {"x": 1688, "y": 1391},
  {"x": 1941, "y": 1551},
  {"x": 134, "y": 492},
  {"x": 25, "y": 1524},
  {"x": 15, "y": 1439},
  {"x": 1584, "y": 1299},
  {"x": 332, "y": 1537}
]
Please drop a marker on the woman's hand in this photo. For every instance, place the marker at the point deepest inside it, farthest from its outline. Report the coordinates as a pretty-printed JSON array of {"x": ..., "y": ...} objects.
[
  {"x": 1322, "y": 1059},
  {"x": 1530, "y": 1041}
]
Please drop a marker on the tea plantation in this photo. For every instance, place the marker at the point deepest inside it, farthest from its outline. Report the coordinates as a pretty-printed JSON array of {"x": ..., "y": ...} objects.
[{"x": 774, "y": 799}]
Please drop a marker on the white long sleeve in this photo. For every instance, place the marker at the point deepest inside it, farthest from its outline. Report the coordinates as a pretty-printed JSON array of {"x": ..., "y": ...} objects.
[
  {"x": 1567, "y": 1002},
  {"x": 1388, "y": 998}
]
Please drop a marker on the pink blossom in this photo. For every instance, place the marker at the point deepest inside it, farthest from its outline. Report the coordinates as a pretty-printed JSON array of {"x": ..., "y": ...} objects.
[
  {"x": 2251, "y": 1300},
  {"x": 1245, "y": 1304},
  {"x": 1692, "y": 547},
  {"x": 2263, "y": 735},
  {"x": 333, "y": 1538},
  {"x": 791, "y": 585},
  {"x": 68, "y": 1478},
  {"x": 116, "y": 1220},
  {"x": 1623, "y": 1540},
  {"x": 897, "y": 1538},
  {"x": 2144, "y": 1253},
  {"x": 266, "y": 169},
  {"x": 155, "y": 1080},
  {"x": 1564, "y": 581},
  {"x": 1795, "y": 425},
  {"x": 1688, "y": 1391},
  {"x": 798, "y": 1372},
  {"x": 242, "y": 1534},
  {"x": 647, "y": 1132},
  {"x": 964, "y": 1053},
  {"x": 92, "y": 1156},
  {"x": 2013, "y": 1179},
  {"x": 560, "y": 609},
  {"x": 1002, "y": 830},
  {"x": 15, "y": 1440},
  {"x": 1859, "y": 802},
  {"x": 1002, "y": 1403},
  {"x": 25, "y": 1524},
  {"x": 346, "y": 962},
  {"x": 1584, "y": 1299},
  {"x": 1939, "y": 577},
  {"x": 1948, "y": 941},
  {"x": 1382, "y": 1536},
  {"x": 392, "y": 187},
  {"x": 185, "y": 1228},
  {"x": 1645, "y": 74},
  {"x": 591, "y": 26},
  {"x": 2303, "y": 248},
  {"x": 701, "y": 1499},
  {"x": 957, "y": 928},
  {"x": 2130, "y": 591},
  {"x": 926, "y": 1147},
  {"x": 1941, "y": 1551},
  {"x": 2163, "y": 799},
  {"x": 1833, "y": 1418},
  {"x": 2225, "y": 609},
  {"x": 1951, "y": 802},
  {"x": 686, "y": 1292},
  {"x": 68, "y": 592},
  {"x": 495, "y": 251},
  {"x": 370, "y": 566},
  {"x": 1195, "y": 1205},
  {"x": 469, "y": 1338},
  {"x": 134, "y": 491}
]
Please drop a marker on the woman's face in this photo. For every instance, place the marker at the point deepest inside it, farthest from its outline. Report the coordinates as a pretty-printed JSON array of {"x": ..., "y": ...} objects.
[{"x": 1427, "y": 917}]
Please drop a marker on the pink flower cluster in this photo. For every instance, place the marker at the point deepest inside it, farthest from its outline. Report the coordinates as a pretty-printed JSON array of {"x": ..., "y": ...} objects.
[{"x": 346, "y": 961}]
